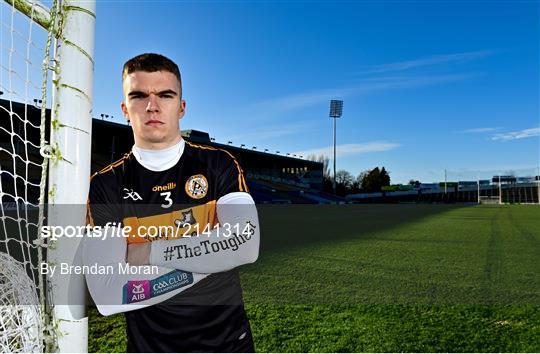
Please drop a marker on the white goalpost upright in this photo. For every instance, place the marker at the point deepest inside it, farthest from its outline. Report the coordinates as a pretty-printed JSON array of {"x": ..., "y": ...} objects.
[
  {"x": 71, "y": 126},
  {"x": 43, "y": 164}
]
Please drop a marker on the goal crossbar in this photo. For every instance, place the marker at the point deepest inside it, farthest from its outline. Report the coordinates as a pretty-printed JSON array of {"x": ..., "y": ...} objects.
[{"x": 39, "y": 12}]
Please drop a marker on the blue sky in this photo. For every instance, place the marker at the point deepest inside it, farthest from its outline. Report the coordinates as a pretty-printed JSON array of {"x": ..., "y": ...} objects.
[{"x": 427, "y": 85}]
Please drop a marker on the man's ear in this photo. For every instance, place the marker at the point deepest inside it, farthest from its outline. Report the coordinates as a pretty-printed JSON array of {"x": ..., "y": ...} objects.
[
  {"x": 124, "y": 110},
  {"x": 182, "y": 109}
]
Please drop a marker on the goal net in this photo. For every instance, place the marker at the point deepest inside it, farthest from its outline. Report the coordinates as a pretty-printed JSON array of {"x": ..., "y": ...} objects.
[
  {"x": 45, "y": 105},
  {"x": 484, "y": 199}
]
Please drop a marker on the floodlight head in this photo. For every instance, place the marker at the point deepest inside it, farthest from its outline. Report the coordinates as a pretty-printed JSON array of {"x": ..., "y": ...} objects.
[{"x": 336, "y": 108}]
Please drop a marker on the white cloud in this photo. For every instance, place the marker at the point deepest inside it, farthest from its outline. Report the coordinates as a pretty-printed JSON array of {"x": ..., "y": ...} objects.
[
  {"x": 520, "y": 134},
  {"x": 477, "y": 130},
  {"x": 429, "y": 61},
  {"x": 349, "y": 149},
  {"x": 271, "y": 132},
  {"x": 365, "y": 86},
  {"x": 375, "y": 83},
  {"x": 298, "y": 100}
]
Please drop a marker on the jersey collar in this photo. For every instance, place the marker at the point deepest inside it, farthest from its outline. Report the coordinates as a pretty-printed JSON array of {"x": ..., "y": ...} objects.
[{"x": 159, "y": 160}]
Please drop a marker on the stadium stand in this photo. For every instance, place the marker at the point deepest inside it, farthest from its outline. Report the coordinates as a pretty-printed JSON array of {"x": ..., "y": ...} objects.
[
  {"x": 511, "y": 192},
  {"x": 272, "y": 178},
  {"x": 277, "y": 179}
]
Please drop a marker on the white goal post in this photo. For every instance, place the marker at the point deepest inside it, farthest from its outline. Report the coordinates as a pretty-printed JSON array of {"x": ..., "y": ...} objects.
[{"x": 62, "y": 159}]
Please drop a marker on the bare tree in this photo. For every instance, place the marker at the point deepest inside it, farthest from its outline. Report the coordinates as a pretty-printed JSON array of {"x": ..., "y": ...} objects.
[{"x": 344, "y": 179}]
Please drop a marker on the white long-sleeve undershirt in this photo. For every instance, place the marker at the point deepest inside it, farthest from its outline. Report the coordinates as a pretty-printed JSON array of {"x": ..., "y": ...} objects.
[
  {"x": 110, "y": 291},
  {"x": 218, "y": 253},
  {"x": 234, "y": 243}
]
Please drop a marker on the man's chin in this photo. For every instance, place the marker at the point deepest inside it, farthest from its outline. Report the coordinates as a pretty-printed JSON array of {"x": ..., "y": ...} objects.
[{"x": 159, "y": 140}]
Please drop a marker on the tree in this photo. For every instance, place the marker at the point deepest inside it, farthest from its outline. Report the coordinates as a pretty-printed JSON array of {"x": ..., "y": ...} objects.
[
  {"x": 344, "y": 178},
  {"x": 374, "y": 180},
  {"x": 371, "y": 180},
  {"x": 357, "y": 184},
  {"x": 414, "y": 183},
  {"x": 344, "y": 182},
  {"x": 384, "y": 178},
  {"x": 361, "y": 176}
]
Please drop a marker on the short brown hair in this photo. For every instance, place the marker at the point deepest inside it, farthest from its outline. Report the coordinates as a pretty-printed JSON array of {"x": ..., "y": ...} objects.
[{"x": 151, "y": 62}]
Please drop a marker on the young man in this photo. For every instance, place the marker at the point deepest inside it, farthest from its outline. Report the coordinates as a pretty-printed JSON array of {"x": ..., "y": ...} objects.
[{"x": 190, "y": 223}]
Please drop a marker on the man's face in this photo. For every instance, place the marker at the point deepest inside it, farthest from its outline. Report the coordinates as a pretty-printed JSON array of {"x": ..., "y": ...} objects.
[{"x": 152, "y": 103}]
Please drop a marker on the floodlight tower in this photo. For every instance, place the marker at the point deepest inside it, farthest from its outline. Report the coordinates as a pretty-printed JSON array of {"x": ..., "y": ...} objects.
[{"x": 336, "y": 109}]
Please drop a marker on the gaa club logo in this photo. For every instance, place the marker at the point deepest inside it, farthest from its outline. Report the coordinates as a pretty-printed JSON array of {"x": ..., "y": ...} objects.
[
  {"x": 197, "y": 186},
  {"x": 141, "y": 290}
]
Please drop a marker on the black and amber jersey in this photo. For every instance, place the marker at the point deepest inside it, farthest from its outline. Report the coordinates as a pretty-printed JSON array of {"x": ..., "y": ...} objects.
[
  {"x": 209, "y": 316},
  {"x": 129, "y": 193}
]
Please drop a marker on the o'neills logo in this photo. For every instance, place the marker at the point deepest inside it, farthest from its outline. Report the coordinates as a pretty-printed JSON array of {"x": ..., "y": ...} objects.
[
  {"x": 167, "y": 187},
  {"x": 197, "y": 186}
]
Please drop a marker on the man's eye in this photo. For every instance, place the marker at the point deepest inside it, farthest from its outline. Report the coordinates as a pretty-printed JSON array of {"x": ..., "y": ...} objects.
[{"x": 166, "y": 96}]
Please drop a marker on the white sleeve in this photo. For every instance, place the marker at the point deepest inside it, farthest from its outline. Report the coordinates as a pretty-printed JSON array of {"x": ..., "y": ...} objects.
[
  {"x": 120, "y": 287},
  {"x": 234, "y": 243}
]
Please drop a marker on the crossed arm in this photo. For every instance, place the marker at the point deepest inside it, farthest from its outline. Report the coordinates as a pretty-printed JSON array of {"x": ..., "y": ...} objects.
[
  {"x": 191, "y": 257},
  {"x": 216, "y": 251}
]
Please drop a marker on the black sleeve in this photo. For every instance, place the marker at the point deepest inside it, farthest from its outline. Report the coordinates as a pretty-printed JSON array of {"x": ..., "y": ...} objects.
[
  {"x": 103, "y": 202},
  {"x": 231, "y": 177}
]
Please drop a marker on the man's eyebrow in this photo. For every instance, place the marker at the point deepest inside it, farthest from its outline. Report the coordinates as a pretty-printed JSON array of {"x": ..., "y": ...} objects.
[
  {"x": 141, "y": 93},
  {"x": 167, "y": 92},
  {"x": 137, "y": 93}
]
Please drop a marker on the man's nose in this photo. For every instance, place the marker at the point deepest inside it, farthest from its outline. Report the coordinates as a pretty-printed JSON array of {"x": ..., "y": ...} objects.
[{"x": 152, "y": 104}]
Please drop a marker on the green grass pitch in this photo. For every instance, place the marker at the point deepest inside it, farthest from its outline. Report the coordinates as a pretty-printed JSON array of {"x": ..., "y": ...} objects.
[{"x": 387, "y": 278}]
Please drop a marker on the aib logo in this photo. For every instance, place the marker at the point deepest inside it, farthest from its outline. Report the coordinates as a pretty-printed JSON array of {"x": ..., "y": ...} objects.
[{"x": 138, "y": 290}]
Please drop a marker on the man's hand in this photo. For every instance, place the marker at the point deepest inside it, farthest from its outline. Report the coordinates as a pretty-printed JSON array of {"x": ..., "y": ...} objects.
[{"x": 138, "y": 253}]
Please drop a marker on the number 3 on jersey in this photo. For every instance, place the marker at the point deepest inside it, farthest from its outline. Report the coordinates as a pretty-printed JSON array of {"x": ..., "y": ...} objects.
[{"x": 167, "y": 199}]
